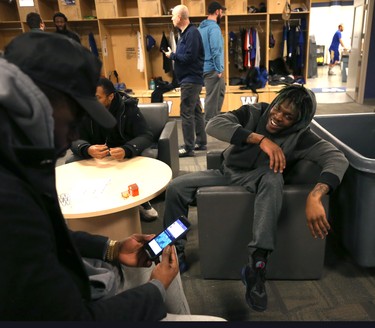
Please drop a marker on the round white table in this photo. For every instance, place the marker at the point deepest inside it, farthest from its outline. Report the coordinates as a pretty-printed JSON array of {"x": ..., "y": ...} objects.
[{"x": 91, "y": 193}]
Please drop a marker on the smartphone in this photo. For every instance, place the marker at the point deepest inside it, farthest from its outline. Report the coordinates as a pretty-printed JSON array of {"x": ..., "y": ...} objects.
[{"x": 175, "y": 231}]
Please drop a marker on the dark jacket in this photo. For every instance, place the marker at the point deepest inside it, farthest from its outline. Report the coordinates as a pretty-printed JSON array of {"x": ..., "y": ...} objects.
[
  {"x": 70, "y": 34},
  {"x": 131, "y": 131},
  {"x": 189, "y": 57},
  {"x": 42, "y": 275}
]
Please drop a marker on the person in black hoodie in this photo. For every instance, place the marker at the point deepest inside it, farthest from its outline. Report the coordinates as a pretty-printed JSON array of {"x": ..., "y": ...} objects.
[
  {"x": 61, "y": 21},
  {"x": 127, "y": 139},
  {"x": 264, "y": 140},
  {"x": 44, "y": 274}
]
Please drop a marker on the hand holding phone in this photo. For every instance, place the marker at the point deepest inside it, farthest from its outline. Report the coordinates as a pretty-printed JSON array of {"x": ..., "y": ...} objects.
[
  {"x": 175, "y": 231},
  {"x": 168, "y": 52},
  {"x": 166, "y": 270}
]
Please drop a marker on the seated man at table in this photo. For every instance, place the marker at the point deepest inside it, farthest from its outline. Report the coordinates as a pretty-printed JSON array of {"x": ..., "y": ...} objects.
[
  {"x": 127, "y": 139},
  {"x": 43, "y": 276},
  {"x": 264, "y": 139}
]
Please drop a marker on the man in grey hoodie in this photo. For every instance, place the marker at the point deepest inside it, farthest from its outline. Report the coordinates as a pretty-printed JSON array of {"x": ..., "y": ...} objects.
[
  {"x": 213, "y": 66},
  {"x": 264, "y": 140}
]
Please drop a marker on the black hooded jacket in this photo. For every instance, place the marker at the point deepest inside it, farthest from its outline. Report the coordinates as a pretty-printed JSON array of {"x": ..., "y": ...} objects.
[
  {"x": 42, "y": 275},
  {"x": 131, "y": 131}
]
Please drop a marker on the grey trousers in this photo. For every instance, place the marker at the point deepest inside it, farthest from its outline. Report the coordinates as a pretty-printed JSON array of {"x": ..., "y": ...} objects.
[
  {"x": 215, "y": 92},
  {"x": 267, "y": 185},
  {"x": 176, "y": 303},
  {"x": 192, "y": 121},
  {"x": 107, "y": 276}
]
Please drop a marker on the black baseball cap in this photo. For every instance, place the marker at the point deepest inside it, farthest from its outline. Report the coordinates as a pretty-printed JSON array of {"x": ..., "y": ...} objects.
[
  {"x": 213, "y": 6},
  {"x": 62, "y": 64}
]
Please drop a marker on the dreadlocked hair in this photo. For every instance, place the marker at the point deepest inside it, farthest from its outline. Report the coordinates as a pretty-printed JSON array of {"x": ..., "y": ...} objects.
[{"x": 301, "y": 98}]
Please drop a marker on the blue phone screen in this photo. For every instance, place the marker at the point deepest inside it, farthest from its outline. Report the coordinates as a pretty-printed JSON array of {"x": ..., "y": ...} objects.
[{"x": 165, "y": 238}]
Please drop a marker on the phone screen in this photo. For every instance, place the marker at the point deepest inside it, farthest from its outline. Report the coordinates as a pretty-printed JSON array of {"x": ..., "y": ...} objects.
[{"x": 177, "y": 229}]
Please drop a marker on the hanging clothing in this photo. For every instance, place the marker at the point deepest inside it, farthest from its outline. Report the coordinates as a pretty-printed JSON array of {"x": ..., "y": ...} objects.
[
  {"x": 172, "y": 41},
  {"x": 238, "y": 52},
  {"x": 295, "y": 49},
  {"x": 140, "y": 58},
  {"x": 253, "y": 33},
  {"x": 92, "y": 43},
  {"x": 247, "y": 49},
  {"x": 167, "y": 62},
  {"x": 300, "y": 53},
  {"x": 257, "y": 51},
  {"x": 285, "y": 38},
  {"x": 173, "y": 44},
  {"x": 251, "y": 47}
]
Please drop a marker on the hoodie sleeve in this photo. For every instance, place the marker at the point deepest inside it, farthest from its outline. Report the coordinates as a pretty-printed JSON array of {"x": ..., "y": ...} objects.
[
  {"x": 136, "y": 127},
  {"x": 224, "y": 126},
  {"x": 233, "y": 126},
  {"x": 332, "y": 161},
  {"x": 216, "y": 48},
  {"x": 80, "y": 147}
]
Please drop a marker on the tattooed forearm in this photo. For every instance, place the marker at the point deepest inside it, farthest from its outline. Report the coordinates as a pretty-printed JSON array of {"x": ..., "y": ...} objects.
[{"x": 320, "y": 189}]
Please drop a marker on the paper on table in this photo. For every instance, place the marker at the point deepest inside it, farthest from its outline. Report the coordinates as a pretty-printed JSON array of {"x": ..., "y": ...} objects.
[{"x": 83, "y": 192}]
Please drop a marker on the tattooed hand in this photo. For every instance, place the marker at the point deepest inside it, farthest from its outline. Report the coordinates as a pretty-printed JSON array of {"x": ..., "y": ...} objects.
[{"x": 315, "y": 213}]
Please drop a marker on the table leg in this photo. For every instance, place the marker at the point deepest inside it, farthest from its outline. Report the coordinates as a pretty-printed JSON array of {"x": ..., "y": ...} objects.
[{"x": 116, "y": 226}]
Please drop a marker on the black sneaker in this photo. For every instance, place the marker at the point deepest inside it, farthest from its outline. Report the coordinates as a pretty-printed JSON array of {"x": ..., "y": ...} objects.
[
  {"x": 200, "y": 147},
  {"x": 254, "y": 279},
  {"x": 182, "y": 152}
]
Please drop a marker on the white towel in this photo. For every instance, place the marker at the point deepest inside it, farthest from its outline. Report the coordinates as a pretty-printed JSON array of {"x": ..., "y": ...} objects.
[{"x": 140, "y": 62}]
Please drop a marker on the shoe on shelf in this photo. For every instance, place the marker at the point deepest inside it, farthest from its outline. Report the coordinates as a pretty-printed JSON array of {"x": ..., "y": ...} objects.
[
  {"x": 147, "y": 212},
  {"x": 200, "y": 147},
  {"x": 254, "y": 280},
  {"x": 182, "y": 152}
]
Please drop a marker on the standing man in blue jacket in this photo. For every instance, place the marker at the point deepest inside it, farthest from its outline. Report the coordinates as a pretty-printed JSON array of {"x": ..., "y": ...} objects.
[
  {"x": 188, "y": 65},
  {"x": 213, "y": 67}
]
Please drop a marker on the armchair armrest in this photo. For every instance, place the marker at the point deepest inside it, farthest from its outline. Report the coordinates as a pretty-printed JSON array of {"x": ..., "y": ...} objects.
[
  {"x": 214, "y": 159},
  {"x": 168, "y": 147}
]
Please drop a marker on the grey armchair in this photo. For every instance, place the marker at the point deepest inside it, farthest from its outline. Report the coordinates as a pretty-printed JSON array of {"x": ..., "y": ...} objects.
[
  {"x": 165, "y": 147},
  {"x": 225, "y": 228}
]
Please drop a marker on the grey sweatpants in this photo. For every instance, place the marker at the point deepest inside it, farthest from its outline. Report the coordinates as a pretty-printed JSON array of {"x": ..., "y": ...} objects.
[{"x": 267, "y": 185}]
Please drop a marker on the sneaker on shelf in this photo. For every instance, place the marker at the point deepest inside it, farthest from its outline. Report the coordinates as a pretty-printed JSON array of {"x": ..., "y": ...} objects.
[
  {"x": 182, "y": 152},
  {"x": 200, "y": 147},
  {"x": 254, "y": 278},
  {"x": 147, "y": 212}
]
